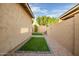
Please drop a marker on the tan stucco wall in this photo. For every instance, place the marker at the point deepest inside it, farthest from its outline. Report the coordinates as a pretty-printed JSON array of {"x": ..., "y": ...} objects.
[
  {"x": 42, "y": 28},
  {"x": 76, "y": 48},
  {"x": 62, "y": 33},
  {"x": 66, "y": 33},
  {"x": 15, "y": 26}
]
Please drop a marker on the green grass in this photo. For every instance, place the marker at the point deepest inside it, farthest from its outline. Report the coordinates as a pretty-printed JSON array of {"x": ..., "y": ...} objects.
[
  {"x": 36, "y": 33},
  {"x": 35, "y": 44}
]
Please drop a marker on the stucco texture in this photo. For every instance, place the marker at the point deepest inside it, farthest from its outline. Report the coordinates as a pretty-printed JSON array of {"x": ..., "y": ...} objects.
[
  {"x": 66, "y": 33},
  {"x": 62, "y": 33},
  {"x": 76, "y": 41},
  {"x": 15, "y": 26},
  {"x": 42, "y": 28}
]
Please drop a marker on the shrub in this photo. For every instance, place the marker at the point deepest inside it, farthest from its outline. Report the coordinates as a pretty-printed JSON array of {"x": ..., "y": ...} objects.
[{"x": 35, "y": 28}]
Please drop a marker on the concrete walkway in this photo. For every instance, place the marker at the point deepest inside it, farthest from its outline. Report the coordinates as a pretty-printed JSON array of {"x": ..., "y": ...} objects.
[{"x": 23, "y": 53}]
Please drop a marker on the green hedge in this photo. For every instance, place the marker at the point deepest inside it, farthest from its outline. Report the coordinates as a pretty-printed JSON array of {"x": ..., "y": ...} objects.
[{"x": 37, "y": 33}]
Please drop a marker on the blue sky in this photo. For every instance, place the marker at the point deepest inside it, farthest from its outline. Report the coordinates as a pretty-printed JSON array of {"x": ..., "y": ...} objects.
[{"x": 50, "y": 9}]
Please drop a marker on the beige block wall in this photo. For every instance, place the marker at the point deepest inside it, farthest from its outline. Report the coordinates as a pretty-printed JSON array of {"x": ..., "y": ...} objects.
[
  {"x": 42, "y": 28},
  {"x": 62, "y": 33},
  {"x": 15, "y": 26},
  {"x": 76, "y": 48}
]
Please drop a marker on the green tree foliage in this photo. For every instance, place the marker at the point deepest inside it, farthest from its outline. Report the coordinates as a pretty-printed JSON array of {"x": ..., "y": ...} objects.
[{"x": 44, "y": 20}]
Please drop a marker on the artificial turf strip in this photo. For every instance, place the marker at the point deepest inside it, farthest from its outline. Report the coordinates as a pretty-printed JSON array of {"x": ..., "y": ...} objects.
[
  {"x": 36, "y": 33},
  {"x": 35, "y": 44}
]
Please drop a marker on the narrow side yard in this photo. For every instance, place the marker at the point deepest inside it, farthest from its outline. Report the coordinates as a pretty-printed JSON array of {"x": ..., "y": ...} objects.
[
  {"x": 36, "y": 46},
  {"x": 41, "y": 45}
]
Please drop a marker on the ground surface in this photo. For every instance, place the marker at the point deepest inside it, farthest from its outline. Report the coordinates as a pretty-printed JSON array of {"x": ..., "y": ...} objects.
[
  {"x": 55, "y": 49},
  {"x": 35, "y": 44}
]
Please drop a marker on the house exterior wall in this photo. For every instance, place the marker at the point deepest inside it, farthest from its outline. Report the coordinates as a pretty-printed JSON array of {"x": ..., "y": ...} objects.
[{"x": 15, "y": 26}]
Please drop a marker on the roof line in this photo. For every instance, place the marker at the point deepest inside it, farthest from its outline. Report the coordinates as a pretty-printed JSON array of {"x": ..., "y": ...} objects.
[
  {"x": 27, "y": 8},
  {"x": 69, "y": 11}
]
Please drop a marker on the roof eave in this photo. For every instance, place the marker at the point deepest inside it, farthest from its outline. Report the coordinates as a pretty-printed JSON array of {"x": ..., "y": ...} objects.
[
  {"x": 73, "y": 9},
  {"x": 27, "y": 7}
]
